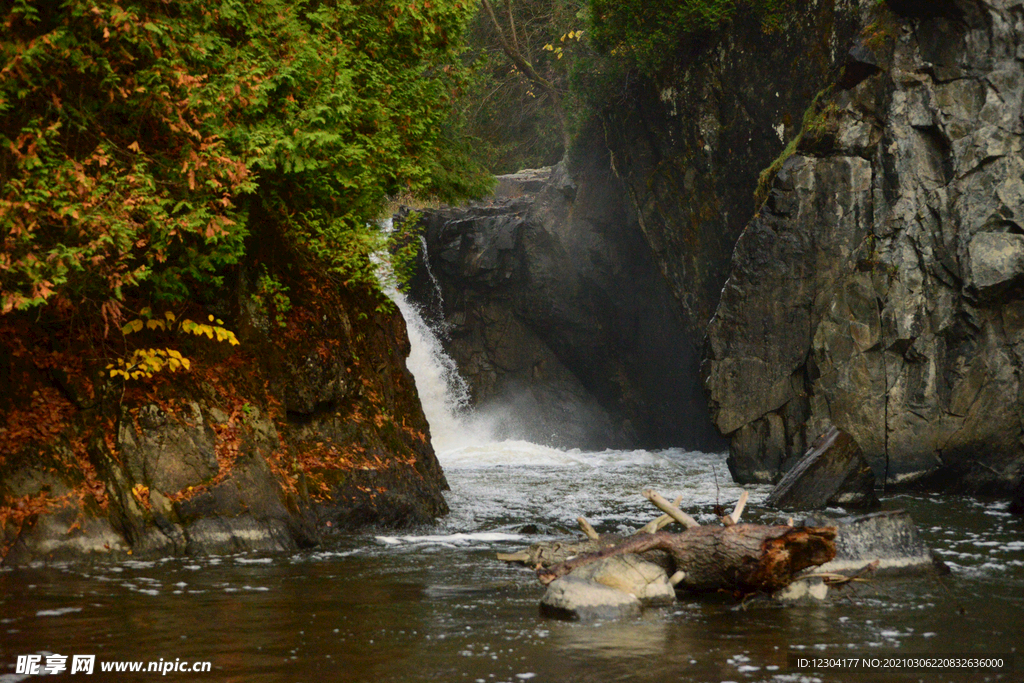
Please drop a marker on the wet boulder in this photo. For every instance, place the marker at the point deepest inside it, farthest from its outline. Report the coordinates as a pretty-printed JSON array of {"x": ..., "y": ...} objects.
[
  {"x": 576, "y": 599},
  {"x": 644, "y": 580},
  {"x": 805, "y": 591},
  {"x": 889, "y": 538},
  {"x": 834, "y": 471}
]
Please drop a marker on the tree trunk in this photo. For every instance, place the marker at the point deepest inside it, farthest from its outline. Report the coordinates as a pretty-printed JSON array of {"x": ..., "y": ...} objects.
[{"x": 744, "y": 557}]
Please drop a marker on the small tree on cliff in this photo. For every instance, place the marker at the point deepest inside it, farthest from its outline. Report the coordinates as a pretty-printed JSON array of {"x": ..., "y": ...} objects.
[{"x": 524, "y": 51}]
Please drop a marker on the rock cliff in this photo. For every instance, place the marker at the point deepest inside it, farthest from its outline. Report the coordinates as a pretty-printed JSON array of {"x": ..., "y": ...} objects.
[
  {"x": 557, "y": 317},
  {"x": 880, "y": 288},
  {"x": 690, "y": 141},
  {"x": 311, "y": 425}
]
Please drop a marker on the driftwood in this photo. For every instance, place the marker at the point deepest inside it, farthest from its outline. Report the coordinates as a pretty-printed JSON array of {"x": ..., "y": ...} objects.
[{"x": 741, "y": 557}]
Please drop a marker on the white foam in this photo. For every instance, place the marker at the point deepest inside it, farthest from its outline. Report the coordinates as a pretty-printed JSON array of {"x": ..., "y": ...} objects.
[
  {"x": 456, "y": 539},
  {"x": 58, "y": 612}
]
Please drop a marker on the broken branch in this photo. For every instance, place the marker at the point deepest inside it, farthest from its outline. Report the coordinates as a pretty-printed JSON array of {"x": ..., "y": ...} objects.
[
  {"x": 734, "y": 518},
  {"x": 587, "y": 529},
  {"x": 671, "y": 510}
]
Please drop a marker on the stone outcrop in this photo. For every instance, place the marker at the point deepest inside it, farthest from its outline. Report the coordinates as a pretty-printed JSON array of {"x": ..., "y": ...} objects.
[
  {"x": 577, "y": 599},
  {"x": 889, "y": 539},
  {"x": 646, "y": 581},
  {"x": 879, "y": 288},
  {"x": 299, "y": 432},
  {"x": 555, "y": 314}
]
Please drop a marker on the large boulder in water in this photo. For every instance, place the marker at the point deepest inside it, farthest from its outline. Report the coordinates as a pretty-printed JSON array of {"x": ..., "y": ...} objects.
[
  {"x": 576, "y": 599},
  {"x": 832, "y": 472},
  {"x": 889, "y": 538}
]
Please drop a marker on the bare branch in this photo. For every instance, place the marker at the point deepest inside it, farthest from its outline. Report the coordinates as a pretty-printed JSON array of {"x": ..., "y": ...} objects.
[
  {"x": 671, "y": 510},
  {"x": 587, "y": 529},
  {"x": 734, "y": 518}
]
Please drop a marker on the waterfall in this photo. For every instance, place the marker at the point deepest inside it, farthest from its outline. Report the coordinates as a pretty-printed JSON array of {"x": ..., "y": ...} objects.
[
  {"x": 462, "y": 436},
  {"x": 443, "y": 392}
]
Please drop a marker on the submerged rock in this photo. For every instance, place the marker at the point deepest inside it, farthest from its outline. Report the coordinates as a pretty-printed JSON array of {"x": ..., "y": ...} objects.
[
  {"x": 577, "y": 599},
  {"x": 805, "y": 590},
  {"x": 833, "y": 472}
]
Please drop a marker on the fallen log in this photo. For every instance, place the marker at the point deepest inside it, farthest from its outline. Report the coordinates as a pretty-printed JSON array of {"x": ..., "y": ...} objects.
[{"x": 746, "y": 558}]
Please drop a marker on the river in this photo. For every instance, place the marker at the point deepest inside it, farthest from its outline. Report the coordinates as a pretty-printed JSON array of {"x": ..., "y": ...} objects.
[{"x": 434, "y": 604}]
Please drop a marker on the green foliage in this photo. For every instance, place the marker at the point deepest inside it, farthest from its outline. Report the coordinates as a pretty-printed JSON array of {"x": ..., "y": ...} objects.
[
  {"x": 147, "y": 361},
  {"x": 137, "y": 137},
  {"x": 404, "y": 252},
  {"x": 814, "y": 123},
  {"x": 272, "y": 297},
  {"x": 649, "y": 31}
]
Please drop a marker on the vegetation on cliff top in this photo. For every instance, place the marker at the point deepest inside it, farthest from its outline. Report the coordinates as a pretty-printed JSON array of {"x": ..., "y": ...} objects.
[
  {"x": 649, "y": 32},
  {"x": 140, "y": 139},
  {"x": 547, "y": 67}
]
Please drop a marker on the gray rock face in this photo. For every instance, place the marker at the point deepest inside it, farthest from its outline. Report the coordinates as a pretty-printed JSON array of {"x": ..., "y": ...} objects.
[
  {"x": 879, "y": 288},
  {"x": 577, "y": 599},
  {"x": 556, "y": 315},
  {"x": 690, "y": 143},
  {"x": 833, "y": 472}
]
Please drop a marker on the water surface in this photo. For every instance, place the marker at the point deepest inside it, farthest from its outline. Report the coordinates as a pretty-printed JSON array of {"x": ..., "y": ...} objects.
[{"x": 433, "y": 604}]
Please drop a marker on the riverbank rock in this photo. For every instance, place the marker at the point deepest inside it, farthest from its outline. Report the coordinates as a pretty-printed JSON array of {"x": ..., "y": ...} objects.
[
  {"x": 1017, "y": 500},
  {"x": 577, "y": 599},
  {"x": 878, "y": 289},
  {"x": 645, "y": 581},
  {"x": 833, "y": 472},
  {"x": 555, "y": 313},
  {"x": 311, "y": 425},
  {"x": 889, "y": 538}
]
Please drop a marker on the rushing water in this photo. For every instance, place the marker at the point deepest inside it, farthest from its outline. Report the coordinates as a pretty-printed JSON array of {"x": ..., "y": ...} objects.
[{"x": 433, "y": 604}]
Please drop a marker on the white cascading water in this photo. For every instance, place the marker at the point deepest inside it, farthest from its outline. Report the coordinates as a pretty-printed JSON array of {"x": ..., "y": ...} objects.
[
  {"x": 443, "y": 392},
  {"x": 461, "y": 436}
]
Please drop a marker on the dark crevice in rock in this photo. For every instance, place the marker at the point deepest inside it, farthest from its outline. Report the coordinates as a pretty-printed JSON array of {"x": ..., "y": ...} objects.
[{"x": 554, "y": 312}]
